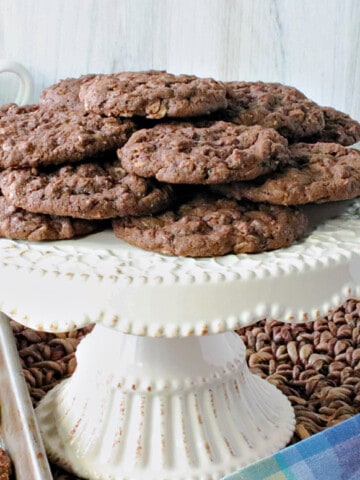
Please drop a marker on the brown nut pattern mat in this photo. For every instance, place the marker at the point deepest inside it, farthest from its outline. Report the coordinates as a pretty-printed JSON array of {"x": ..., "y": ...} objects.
[{"x": 316, "y": 365}]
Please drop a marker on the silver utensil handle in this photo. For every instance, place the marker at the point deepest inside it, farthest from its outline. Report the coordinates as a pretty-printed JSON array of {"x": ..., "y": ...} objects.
[{"x": 19, "y": 429}]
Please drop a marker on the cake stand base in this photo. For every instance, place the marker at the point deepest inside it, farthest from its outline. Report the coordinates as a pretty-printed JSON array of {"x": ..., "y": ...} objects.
[{"x": 162, "y": 408}]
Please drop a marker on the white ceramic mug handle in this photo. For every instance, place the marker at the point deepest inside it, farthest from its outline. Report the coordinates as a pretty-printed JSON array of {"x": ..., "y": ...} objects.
[{"x": 25, "y": 87}]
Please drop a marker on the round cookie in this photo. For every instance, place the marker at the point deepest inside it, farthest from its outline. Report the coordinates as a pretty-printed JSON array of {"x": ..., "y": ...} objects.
[
  {"x": 53, "y": 136},
  {"x": 339, "y": 128},
  {"x": 86, "y": 190},
  {"x": 64, "y": 93},
  {"x": 273, "y": 105},
  {"x": 18, "y": 224},
  {"x": 321, "y": 172},
  {"x": 153, "y": 94},
  {"x": 220, "y": 152},
  {"x": 211, "y": 226}
]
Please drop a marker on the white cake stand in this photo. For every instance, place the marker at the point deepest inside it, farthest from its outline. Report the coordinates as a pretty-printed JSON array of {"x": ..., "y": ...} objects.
[{"x": 162, "y": 390}]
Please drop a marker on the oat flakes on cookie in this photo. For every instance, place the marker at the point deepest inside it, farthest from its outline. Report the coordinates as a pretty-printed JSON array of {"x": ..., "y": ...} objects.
[
  {"x": 18, "y": 224},
  {"x": 64, "y": 93},
  {"x": 321, "y": 172},
  {"x": 273, "y": 105},
  {"x": 220, "y": 152},
  {"x": 53, "y": 136},
  {"x": 153, "y": 94},
  {"x": 86, "y": 190},
  {"x": 208, "y": 226}
]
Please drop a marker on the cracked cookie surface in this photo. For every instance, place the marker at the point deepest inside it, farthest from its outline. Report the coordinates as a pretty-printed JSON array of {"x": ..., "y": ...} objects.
[
  {"x": 321, "y": 172},
  {"x": 53, "y": 136},
  {"x": 86, "y": 190},
  {"x": 273, "y": 105},
  {"x": 18, "y": 224},
  {"x": 153, "y": 94},
  {"x": 221, "y": 152},
  {"x": 207, "y": 225},
  {"x": 14, "y": 109},
  {"x": 339, "y": 128},
  {"x": 64, "y": 93}
]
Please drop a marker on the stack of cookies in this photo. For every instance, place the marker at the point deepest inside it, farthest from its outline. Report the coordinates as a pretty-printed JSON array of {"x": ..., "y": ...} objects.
[{"x": 175, "y": 164}]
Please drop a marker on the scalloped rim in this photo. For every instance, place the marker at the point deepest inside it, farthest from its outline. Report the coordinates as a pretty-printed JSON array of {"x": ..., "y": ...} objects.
[{"x": 328, "y": 260}]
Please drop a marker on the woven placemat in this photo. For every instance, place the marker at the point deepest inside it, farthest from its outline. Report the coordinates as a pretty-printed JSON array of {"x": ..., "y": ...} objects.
[{"x": 316, "y": 365}]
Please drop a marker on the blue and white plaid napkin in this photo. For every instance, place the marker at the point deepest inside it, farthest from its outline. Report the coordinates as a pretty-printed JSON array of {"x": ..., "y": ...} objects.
[{"x": 333, "y": 454}]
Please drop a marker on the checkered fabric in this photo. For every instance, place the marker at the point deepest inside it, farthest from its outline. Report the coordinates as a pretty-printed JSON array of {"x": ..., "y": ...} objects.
[{"x": 333, "y": 454}]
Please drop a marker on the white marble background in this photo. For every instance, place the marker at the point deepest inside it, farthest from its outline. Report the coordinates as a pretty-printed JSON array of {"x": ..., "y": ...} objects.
[{"x": 311, "y": 44}]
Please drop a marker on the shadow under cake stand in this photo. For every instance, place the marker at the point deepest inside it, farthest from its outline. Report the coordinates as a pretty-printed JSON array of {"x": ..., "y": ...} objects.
[{"x": 162, "y": 389}]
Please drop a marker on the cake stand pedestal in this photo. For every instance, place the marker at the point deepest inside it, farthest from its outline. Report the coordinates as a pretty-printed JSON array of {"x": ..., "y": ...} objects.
[
  {"x": 162, "y": 390},
  {"x": 162, "y": 408}
]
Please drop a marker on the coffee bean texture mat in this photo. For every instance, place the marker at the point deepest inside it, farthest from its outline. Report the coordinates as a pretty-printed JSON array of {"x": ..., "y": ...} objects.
[{"x": 316, "y": 365}]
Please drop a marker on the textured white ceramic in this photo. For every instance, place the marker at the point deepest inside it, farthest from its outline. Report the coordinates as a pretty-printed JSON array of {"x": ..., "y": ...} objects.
[
  {"x": 172, "y": 408},
  {"x": 155, "y": 408},
  {"x": 59, "y": 286}
]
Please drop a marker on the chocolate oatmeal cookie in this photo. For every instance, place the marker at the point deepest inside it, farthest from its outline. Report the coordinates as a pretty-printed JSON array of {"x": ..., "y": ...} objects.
[
  {"x": 6, "y": 469},
  {"x": 64, "y": 93},
  {"x": 86, "y": 190},
  {"x": 273, "y": 105},
  {"x": 14, "y": 109},
  {"x": 211, "y": 226},
  {"x": 321, "y": 172},
  {"x": 21, "y": 225},
  {"x": 339, "y": 128},
  {"x": 221, "y": 152},
  {"x": 53, "y": 136},
  {"x": 153, "y": 94}
]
